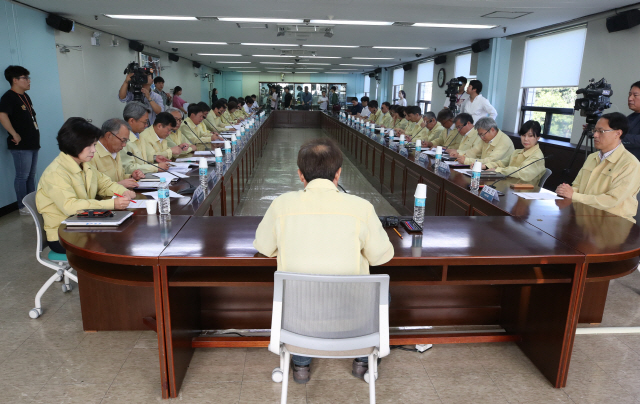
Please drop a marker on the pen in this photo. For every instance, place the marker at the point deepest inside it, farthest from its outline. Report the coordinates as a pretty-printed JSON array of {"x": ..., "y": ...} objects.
[
  {"x": 123, "y": 197},
  {"x": 398, "y": 233}
]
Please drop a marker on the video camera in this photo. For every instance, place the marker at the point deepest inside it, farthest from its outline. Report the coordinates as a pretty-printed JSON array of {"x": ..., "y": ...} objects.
[
  {"x": 453, "y": 86},
  {"x": 140, "y": 78},
  {"x": 597, "y": 98}
]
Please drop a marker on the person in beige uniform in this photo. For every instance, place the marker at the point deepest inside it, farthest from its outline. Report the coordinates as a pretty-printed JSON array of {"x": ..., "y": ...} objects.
[
  {"x": 496, "y": 145},
  {"x": 434, "y": 129},
  {"x": 610, "y": 178},
  {"x": 193, "y": 132},
  {"x": 450, "y": 137},
  {"x": 154, "y": 138},
  {"x": 115, "y": 135},
  {"x": 385, "y": 119},
  {"x": 319, "y": 230},
  {"x": 137, "y": 116},
  {"x": 70, "y": 184},
  {"x": 529, "y": 135},
  {"x": 215, "y": 117},
  {"x": 399, "y": 118},
  {"x": 414, "y": 116},
  {"x": 374, "y": 111},
  {"x": 470, "y": 138},
  {"x": 176, "y": 137}
]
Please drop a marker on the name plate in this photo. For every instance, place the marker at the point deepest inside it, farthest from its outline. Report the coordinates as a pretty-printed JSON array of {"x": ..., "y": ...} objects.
[
  {"x": 198, "y": 198},
  {"x": 489, "y": 194}
]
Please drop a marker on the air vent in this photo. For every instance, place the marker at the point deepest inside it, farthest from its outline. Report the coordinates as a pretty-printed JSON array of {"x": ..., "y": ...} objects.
[
  {"x": 509, "y": 15},
  {"x": 249, "y": 25},
  {"x": 403, "y": 24}
]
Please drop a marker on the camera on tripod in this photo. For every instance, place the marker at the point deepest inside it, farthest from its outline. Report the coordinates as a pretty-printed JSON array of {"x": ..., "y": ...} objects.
[
  {"x": 453, "y": 86},
  {"x": 140, "y": 78},
  {"x": 597, "y": 98}
]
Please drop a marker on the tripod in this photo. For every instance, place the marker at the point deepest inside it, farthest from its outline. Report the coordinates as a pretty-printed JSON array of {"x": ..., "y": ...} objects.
[{"x": 587, "y": 139}]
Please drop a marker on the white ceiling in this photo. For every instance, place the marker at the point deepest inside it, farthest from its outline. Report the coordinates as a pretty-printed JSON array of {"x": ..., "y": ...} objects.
[{"x": 156, "y": 33}]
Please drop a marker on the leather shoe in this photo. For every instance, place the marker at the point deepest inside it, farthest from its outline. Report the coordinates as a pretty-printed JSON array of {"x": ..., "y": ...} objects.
[
  {"x": 301, "y": 374},
  {"x": 358, "y": 369}
]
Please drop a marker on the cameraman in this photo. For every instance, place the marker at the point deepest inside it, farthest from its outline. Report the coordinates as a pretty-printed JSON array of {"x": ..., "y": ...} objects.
[
  {"x": 632, "y": 140},
  {"x": 462, "y": 95},
  {"x": 159, "y": 84},
  {"x": 150, "y": 99}
]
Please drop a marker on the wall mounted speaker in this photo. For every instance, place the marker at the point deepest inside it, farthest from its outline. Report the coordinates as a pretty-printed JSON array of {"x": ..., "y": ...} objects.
[
  {"x": 480, "y": 46},
  {"x": 440, "y": 60},
  {"x": 372, "y": 75},
  {"x": 136, "y": 46},
  {"x": 378, "y": 70},
  {"x": 407, "y": 67},
  {"x": 196, "y": 65},
  {"x": 59, "y": 23},
  {"x": 624, "y": 20},
  {"x": 173, "y": 57}
]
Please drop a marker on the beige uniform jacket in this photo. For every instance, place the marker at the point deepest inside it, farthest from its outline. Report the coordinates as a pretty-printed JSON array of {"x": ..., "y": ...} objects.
[
  {"x": 469, "y": 141},
  {"x": 130, "y": 164},
  {"x": 323, "y": 231},
  {"x": 611, "y": 185},
  {"x": 177, "y": 138},
  {"x": 519, "y": 159},
  {"x": 449, "y": 138},
  {"x": 154, "y": 145},
  {"x": 216, "y": 122},
  {"x": 499, "y": 149},
  {"x": 374, "y": 117},
  {"x": 385, "y": 120},
  {"x": 227, "y": 118},
  {"x": 208, "y": 126},
  {"x": 238, "y": 114},
  {"x": 66, "y": 188},
  {"x": 194, "y": 134},
  {"x": 436, "y": 132},
  {"x": 413, "y": 128},
  {"x": 402, "y": 124},
  {"x": 104, "y": 162}
]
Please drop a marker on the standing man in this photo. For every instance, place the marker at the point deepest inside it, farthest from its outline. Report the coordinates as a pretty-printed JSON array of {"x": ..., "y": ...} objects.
[
  {"x": 150, "y": 99},
  {"x": 334, "y": 99},
  {"x": 307, "y": 98},
  {"x": 632, "y": 140},
  {"x": 18, "y": 117},
  {"x": 462, "y": 95},
  {"x": 287, "y": 98},
  {"x": 478, "y": 106},
  {"x": 159, "y": 84}
]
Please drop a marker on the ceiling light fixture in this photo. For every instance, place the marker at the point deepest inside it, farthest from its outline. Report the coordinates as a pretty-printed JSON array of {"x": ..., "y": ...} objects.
[
  {"x": 199, "y": 43},
  {"x": 252, "y": 71},
  {"x": 331, "y": 46},
  {"x": 265, "y": 20},
  {"x": 344, "y": 69},
  {"x": 326, "y": 57},
  {"x": 269, "y": 44},
  {"x": 350, "y": 22},
  {"x": 348, "y": 64},
  {"x": 150, "y": 17},
  {"x": 398, "y": 47},
  {"x": 274, "y": 56},
  {"x": 232, "y": 62},
  {"x": 437, "y": 25},
  {"x": 317, "y": 64},
  {"x": 219, "y": 54},
  {"x": 374, "y": 58},
  {"x": 277, "y": 63}
]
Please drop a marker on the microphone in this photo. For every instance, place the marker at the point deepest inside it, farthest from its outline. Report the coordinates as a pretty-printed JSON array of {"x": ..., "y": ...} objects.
[
  {"x": 533, "y": 162},
  {"x": 159, "y": 168},
  {"x": 454, "y": 138},
  {"x": 201, "y": 142}
]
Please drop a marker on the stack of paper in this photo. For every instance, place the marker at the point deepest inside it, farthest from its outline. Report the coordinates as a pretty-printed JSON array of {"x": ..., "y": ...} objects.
[
  {"x": 169, "y": 176},
  {"x": 543, "y": 195},
  {"x": 172, "y": 194}
]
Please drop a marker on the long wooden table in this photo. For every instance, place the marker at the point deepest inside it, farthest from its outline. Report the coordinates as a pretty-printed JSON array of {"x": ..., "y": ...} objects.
[{"x": 533, "y": 267}]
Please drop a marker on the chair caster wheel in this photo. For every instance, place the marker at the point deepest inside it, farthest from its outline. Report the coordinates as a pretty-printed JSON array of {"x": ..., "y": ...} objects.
[
  {"x": 367, "y": 377},
  {"x": 59, "y": 278},
  {"x": 66, "y": 288},
  {"x": 35, "y": 313},
  {"x": 276, "y": 375}
]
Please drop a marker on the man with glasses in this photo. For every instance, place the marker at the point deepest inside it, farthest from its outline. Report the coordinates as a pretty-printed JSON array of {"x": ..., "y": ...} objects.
[
  {"x": 610, "y": 178},
  {"x": 176, "y": 137},
  {"x": 115, "y": 135},
  {"x": 18, "y": 117},
  {"x": 136, "y": 114},
  {"x": 433, "y": 128},
  {"x": 215, "y": 118},
  {"x": 450, "y": 137},
  {"x": 470, "y": 138},
  {"x": 495, "y": 145}
]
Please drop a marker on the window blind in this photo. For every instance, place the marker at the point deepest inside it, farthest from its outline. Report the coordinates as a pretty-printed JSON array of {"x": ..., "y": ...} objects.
[
  {"x": 425, "y": 72},
  {"x": 398, "y": 77}
]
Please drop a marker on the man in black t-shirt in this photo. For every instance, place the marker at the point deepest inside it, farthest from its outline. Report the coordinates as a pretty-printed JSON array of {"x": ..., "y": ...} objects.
[
  {"x": 18, "y": 117},
  {"x": 287, "y": 97}
]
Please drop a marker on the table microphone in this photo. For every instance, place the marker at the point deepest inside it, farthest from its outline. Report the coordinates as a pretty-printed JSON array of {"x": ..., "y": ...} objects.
[
  {"x": 201, "y": 142},
  {"x": 505, "y": 177},
  {"x": 159, "y": 168},
  {"x": 454, "y": 138}
]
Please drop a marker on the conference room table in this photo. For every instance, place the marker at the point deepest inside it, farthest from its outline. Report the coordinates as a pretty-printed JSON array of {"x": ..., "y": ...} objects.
[{"x": 535, "y": 268}]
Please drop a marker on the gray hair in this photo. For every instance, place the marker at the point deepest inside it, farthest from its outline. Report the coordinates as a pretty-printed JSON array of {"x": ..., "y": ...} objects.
[
  {"x": 172, "y": 109},
  {"x": 486, "y": 124},
  {"x": 430, "y": 115},
  {"x": 113, "y": 125},
  {"x": 135, "y": 110}
]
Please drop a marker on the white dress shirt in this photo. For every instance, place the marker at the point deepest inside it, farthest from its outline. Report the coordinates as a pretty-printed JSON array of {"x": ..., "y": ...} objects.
[
  {"x": 247, "y": 109},
  {"x": 365, "y": 112},
  {"x": 479, "y": 108},
  {"x": 460, "y": 99},
  {"x": 402, "y": 102}
]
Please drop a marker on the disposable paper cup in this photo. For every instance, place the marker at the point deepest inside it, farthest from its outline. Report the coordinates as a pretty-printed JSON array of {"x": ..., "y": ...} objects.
[
  {"x": 218, "y": 152},
  {"x": 439, "y": 150},
  {"x": 152, "y": 206},
  {"x": 419, "y": 143},
  {"x": 421, "y": 191},
  {"x": 477, "y": 166}
]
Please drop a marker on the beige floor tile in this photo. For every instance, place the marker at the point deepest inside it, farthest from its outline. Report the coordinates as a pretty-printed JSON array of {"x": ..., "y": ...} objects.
[
  {"x": 134, "y": 394},
  {"x": 331, "y": 369},
  {"x": 469, "y": 388},
  {"x": 528, "y": 388},
  {"x": 110, "y": 340},
  {"x": 25, "y": 367},
  {"x": 336, "y": 391},
  {"x": 450, "y": 359},
  {"x": 133, "y": 376},
  {"x": 47, "y": 339},
  {"x": 604, "y": 347},
  {"x": 406, "y": 391},
  {"x": 218, "y": 356},
  {"x": 229, "y": 372},
  {"x": 597, "y": 390},
  {"x": 142, "y": 358},
  {"x": 19, "y": 394},
  {"x": 72, "y": 394},
  {"x": 146, "y": 343},
  {"x": 270, "y": 393},
  {"x": 90, "y": 366}
]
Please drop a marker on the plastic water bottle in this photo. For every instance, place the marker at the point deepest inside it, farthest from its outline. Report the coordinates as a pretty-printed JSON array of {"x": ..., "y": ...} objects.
[
  {"x": 234, "y": 146},
  {"x": 372, "y": 129},
  {"x": 418, "y": 147},
  {"x": 475, "y": 176},
  {"x": 228, "y": 158},
  {"x": 203, "y": 172},
  {"x": 438, "y": 161},
  {"x": 403, "y": 150},
  {"x": 218, "y": 154},
  {"x": 163, "y": 197},
  {"x": 419, "y": 204}
]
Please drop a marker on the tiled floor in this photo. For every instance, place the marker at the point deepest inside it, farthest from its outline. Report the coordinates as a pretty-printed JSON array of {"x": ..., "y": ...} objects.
[{"x": 51, "y": 360}]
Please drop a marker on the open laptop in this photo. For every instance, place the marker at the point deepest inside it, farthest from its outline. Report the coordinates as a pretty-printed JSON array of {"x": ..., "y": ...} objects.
[{"x": 118, "y": 217}]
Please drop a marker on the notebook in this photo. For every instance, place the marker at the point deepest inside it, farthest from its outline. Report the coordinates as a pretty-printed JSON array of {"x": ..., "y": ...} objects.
[{"x": 119, "y": 216}]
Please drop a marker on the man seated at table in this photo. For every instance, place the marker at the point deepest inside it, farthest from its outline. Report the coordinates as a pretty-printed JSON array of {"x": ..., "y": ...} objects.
[
  {"x": 470, "y": 138},
  {"x": 385, "y": 119},
  {"x": 356, "y": 107},
  {"x": 495, "y": 146},
  {"x": 192, "y": 129},
  {"x": 215, "y": 118},
  {"x": 226, "y": 115},
  {"x": 248, "y": 106},
  {"x": 136, "y": 115},
  {"x": 69, "y": 184},
  {"x": 320, "y": 230},
  {"x": 399, "y": 118},
  {"x": 176, "y": 137},
  {"x": 205, "y": 125},
  {"x": 610, "y": 178},
  {"x": 414, "y": 116},
  {"x": 449, "y": 137},
  {"x": 154, "y": 138},
  {"x": 433, "y": 129},
  {"x": 374, "y": 111},
  {"x": 234, "y": 111},
  {"x": 115, "y": 135}
]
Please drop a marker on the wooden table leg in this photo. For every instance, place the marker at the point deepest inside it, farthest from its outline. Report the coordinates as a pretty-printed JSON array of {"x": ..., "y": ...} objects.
[{"x": 160, "y": 331}]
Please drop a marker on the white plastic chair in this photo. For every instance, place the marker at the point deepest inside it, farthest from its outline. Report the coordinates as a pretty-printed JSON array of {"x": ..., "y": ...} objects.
[
  {"x": 545, "y": 177},
  {"x": 324, "y": 316},
  {"x": 55, "y": 261}
]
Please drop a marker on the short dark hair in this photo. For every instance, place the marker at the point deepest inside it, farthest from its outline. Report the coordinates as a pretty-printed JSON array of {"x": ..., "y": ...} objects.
[
  {"x": 364, "y": 99},
  {"x": 533, "y": 126},
  {"x": 254, "y": 96},
  {"x": 617, "y": 121},
  {"x": 463, "y": 79},
  {"x": 219, "y": 104},
  {"x": 636, "y": 84},
  {"x": 354, "y": 99},
  {"x": 176, "y": 89},
  {"x": 333, "y": 88},
  {"x": 193, "y": 109},
  {"x": 413, "y": 110},
  {"x": 158, "y": 80},
  {"x": 445, "y": 114},
  {"x": 204, "y": 106},
  {"x": 477, "y": 85},
  {"x": 248, "y": 100},
  {"x": 233, "y": 99},
  {"x": 402, "y": 111},
  {"x": 464, "y": 119},
  {"x": 373, "y": 104},
  {"x": 223, "y": 100},
  {"x": 165, "y": 119},
  {"x": 232, "y": 105},
  {"x": 388, "y": 104},
  {"x": 319, "y": 158},
  {"x": 15, "y": 72},
  {"x": 76, "y": 134}
]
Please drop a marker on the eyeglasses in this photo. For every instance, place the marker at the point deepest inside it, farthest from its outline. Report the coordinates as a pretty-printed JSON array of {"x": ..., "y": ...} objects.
[
  {"x": 147, "y": 122},
  {"x": 484, "y": 134},
  {"x": 178, "y": 120},
  {"x": 602, "y": 131},
  {"x": 124, "y": 141},
  {"x": 25, "y": 78}
]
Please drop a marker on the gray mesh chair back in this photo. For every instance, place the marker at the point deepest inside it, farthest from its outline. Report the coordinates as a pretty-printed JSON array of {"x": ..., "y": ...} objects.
[
  {"x": 545, "y": 177},
  {"x": 30, "y": 202}
]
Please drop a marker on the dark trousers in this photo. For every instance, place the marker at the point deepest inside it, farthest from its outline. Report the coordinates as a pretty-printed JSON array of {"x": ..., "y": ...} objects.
[
  {"x": 25, "y": 163},
  {"x": 56, "y": 247}
]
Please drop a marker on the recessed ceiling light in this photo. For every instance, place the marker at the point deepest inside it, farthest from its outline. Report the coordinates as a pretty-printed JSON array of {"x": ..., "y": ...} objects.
[
  {"x": 350, "y": 22},
  {"x": 316, "y": 64},
  {"x": 336, "y": 73},
  {"x": 398, "y": 47},
  {"x": 270, "y": 71},
  {"x": 437, "y": 25},
  {"x": 199, "y": 43},
  {"x": 274, "y": 56},
  {"x": 348, "y": 64},
  {"x": 242, "y": 67},
  {"x": 266, "y": 20},
  {"x": 344, "y": 69},
  {"x": 269, "y": 44},
  {"x": 232, "y": 62},
  {"x": 326, "y": 57},
  {"x": 332, "y": 46},
  {"x": 310, "y": 68},
  {"x": 252, "y": 71},
  {"x": 150, "y": 17},
  {"x": 219, "y": 54},
  {"x": 277, "y": 63},
  {"x": 374, "y": 58}
]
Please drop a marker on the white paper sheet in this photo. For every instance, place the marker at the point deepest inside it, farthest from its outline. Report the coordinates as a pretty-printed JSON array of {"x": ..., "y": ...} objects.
[
  {"x": 169, "y": 176},
  {"x": 195, "y": 160},
  {"x": 148, "y": 184},
  {"x": 172, "y": 194},
  {"x": 138, "y": 204},
  {"x": 203, "y": 153},
  {"x": 548, "y": 195}
]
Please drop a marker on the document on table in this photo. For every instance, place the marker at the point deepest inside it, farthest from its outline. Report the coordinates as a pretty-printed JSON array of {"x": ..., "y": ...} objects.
[
  {"x": 138, "y": 204},
  {"x": 204, "y": 153},
  {"x": 172, "y": 194},
  {"x": 544, "y": 195},
  {"x": 169, "y": 176},
  {"x": 217, "y": 141},
  {"x": 194, "y": 160},
  {"x": 148, "y": 184}
]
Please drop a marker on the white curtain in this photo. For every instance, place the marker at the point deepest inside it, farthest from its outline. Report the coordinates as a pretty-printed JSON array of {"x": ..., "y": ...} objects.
[
  {"x": 398, "y": 76},
  {"x": 425, "y": 72}
]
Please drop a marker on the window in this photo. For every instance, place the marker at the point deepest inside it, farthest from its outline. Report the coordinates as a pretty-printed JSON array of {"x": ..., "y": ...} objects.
[
  {"x": 463, "y": 67},
  {"x": 398, "y": 83},
  {"x": 549, "y": 89},
  {"x": 367, "y": 85},
  {"x": 425, "y": 85}
]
